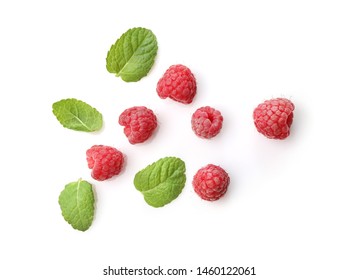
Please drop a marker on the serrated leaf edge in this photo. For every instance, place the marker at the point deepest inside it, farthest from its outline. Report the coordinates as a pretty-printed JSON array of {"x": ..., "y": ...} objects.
[
  {"x": 174, "y": 174},
  {"x": 136, "y": 50},
  {"x": 82, "y": 228},
  {"x": 122, "y": 38},
  {"x": 88, "y": 129}
]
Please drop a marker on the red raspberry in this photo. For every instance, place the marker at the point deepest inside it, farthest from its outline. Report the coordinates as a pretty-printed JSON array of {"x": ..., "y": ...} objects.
[
  {"x": 206, "y": 122},
  {"x": 177, "y": 83},
  {"x": 139, "y": 123},
  {"x": 104, "y": 161},
  {"x": 274, "y": 117},
  {"x": 211, "y": 182}
]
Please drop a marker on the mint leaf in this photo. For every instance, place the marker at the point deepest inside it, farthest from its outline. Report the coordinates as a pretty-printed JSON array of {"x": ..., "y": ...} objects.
[
  {"x": 77, "y": 204},
  {"x": 77, "y": 115},
  {"x": 133, "y": 54},
  {"x": 162, "y": 181}
]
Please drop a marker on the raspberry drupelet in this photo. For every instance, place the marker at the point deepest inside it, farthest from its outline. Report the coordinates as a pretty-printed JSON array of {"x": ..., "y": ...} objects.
[
  {"x": 105, "y": 162},
  {"x": 274, "y": 118},
  {"x": 139, "y": 123},
  {"x": 177, "y": 83},
  {"x": 211, "y": 182},
  {"x": 206, "y": 122}
]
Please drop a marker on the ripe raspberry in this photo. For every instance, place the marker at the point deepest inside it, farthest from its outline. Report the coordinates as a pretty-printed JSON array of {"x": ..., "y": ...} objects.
[
  {"x": 274, "y": 117},
  {"x": 211, "y": 182},
  {"x": 177, "y": 83},
  {"x": 139, "y": 123},
  {"x": 104, "y": 161},
  {"x": 206, "y": 122}
]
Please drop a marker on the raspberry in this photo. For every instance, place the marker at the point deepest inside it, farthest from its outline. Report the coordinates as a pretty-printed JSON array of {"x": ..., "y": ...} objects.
[
  {"x": 274, "y": 117},
  {"x": 206, "y": 122},
  {"x": 139, "y": 123},
  {"x": 104, "y": 161},
  {"x": 177, "y": 83},
  {"x": 211, "y": 182}
]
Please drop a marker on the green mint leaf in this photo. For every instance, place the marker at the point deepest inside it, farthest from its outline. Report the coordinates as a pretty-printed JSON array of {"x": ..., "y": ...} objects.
[
  {"x": 162, "y": 181},
  {"x": 133, "y": 54},
  {"x": 77, "y": 204},
  {"x": 77, "y": 115}
]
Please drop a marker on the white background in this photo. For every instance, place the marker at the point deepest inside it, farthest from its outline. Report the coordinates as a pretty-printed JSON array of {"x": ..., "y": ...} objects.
[{"x": 291, "y": 208}]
